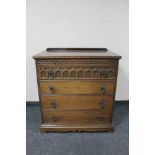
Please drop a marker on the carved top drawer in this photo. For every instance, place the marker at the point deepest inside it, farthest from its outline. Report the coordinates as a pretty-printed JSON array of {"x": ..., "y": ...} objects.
[
  {"x": 76, "y": 63},
  {"x": 55, "y": 70}
]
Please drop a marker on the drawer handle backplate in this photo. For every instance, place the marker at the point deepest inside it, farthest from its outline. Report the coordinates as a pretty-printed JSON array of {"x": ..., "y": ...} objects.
[
  {"x": 53, "y": 118},
  {"x": 102, "y": 89},
  {"x": 51, "y": 74},
  {"x": 52, "y": 89},
  {"x": 101, "y": 104},
  {"x": 100, "y": 118},
  {"x": 104, "y": 73},
  {"x": 53, "y": 104}
]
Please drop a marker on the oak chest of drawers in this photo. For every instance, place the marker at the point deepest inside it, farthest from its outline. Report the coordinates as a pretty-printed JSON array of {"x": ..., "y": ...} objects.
[{"x": 76, "y": 88}]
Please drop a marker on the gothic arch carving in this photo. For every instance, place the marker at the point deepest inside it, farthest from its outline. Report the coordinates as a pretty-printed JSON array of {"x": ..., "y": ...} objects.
[{"x": 76, "y": 72}]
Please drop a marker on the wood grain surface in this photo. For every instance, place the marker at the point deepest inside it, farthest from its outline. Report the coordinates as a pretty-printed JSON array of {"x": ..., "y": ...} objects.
[
  {"x": 76, "y": 88},
  {"x": 76, "y": 102},
  {"x": 76, "y": 116}
]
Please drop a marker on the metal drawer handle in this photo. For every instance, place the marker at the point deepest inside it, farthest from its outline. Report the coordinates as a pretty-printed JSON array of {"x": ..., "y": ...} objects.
[
  {"x": 51, "y": 74},
  {"x": 53, "y": 118},
  {"x": 100, "y": 118},
  {"x": 104, "y": 73},
  {"x": 52, "y": 89},
  {"x": 101, "y": 104},
  {"x": 53, "y": 104},
  {"x": 102, "y": 89}
]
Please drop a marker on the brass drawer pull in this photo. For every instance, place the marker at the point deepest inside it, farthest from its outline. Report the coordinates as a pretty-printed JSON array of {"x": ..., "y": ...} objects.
[
  {"x": 101, "y": 104},
  {"x": 102, "y": 89},
  {"x": 51, "y": 74},
  {"x": 104, "y": 73},
  {"x": 53, "y": 104},
  {"x": 52, "y": 89},
  {"x": 53, "y": 118},
  {"x": 100, "y": 118}
]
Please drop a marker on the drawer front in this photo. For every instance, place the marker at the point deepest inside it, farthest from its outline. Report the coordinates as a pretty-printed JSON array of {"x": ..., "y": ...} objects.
[
  {"x": 82, "y": 102},
  {"x": 77, "y": 87},
  {"x": 76, "y": 69},
  {"x": 77, "y": 117}
]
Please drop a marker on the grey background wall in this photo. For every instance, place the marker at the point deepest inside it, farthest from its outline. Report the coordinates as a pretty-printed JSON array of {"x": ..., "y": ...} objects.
[{"x": 77, "y": 23}]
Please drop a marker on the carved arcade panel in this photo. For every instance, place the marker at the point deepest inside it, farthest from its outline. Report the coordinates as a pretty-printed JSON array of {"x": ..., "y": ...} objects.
[{"x": 76, "y": 72}]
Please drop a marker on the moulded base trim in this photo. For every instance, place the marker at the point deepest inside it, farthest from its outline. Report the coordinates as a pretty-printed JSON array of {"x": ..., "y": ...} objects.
[{"x": 76, "y": 128}]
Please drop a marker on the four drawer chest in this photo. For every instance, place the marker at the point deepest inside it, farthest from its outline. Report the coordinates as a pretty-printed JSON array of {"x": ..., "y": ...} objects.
[{"x": 76, "y": 88}]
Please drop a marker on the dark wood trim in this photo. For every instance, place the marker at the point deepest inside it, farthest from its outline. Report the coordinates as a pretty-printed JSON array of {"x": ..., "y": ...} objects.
[
  {"x": 106, "y": 54},
  {"x": 87, "y": 49},
  {"x": 77, "y": 57}
]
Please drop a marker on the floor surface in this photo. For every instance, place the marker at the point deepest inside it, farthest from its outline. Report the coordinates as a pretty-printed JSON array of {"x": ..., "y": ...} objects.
[{"x": 103, "y": 143}]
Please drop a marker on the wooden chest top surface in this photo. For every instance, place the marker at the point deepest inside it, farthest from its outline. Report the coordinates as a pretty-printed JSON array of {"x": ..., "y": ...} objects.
[{"x": 76, "y": 52}]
